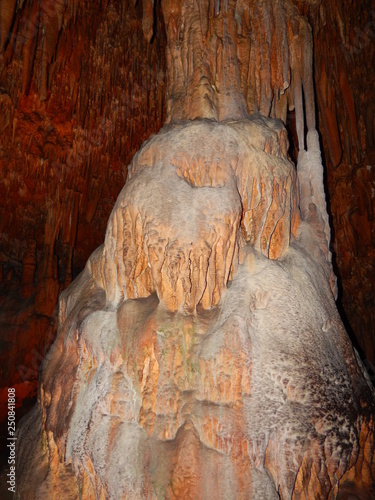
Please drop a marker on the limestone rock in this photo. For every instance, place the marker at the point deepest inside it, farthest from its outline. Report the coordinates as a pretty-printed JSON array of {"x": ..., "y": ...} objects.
[
  {"x": 200, "y": 352},
  {"x": 191, "y": 360},
  {"x": 176, "y": 225},
  {"x": 62, "y": 160}
]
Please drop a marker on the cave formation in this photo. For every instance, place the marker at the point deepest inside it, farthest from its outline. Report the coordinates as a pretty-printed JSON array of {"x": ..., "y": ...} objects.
[{"x": 203, "y": 334}]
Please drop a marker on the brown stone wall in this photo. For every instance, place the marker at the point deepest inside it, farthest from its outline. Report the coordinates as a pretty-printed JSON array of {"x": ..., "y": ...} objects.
[{"x": 80, "y": 90}]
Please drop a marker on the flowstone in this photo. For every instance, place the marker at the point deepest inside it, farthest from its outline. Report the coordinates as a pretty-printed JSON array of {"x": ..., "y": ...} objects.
[{"x": 200, "y": 353}]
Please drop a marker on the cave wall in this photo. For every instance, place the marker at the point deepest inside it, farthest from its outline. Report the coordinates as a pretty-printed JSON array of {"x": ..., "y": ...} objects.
[
  {"x": 201, "y": 349},
  {"x": 81, "y": 88},
  {"x": 344, "y": 38}
]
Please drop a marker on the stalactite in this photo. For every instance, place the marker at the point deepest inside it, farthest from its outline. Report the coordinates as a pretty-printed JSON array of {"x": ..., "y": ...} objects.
[
  {"x": 28, "y": 43},
  {"x": 280, "y": 48},
  {"x": 148, "y": 19},
  {"x": 184, "y": 339},
  {"x": 66, "y": 96}
]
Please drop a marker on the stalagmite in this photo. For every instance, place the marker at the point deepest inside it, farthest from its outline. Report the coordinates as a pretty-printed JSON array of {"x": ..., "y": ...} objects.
[{"x": 200, "y": 353}]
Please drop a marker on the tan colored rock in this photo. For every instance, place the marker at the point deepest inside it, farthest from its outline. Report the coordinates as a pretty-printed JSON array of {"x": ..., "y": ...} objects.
[
  {"x": 63, "y": 150},
  {"x": 63, "y": 161},
  {"x": 200, "y": 353},
  {"x": 253, "y": 391},
  {"x": 175, "y": 405},
  {"x": 154, "y": 243}
]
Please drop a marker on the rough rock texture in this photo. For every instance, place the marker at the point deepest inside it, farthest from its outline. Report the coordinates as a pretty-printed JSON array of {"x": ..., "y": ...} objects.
[
  {"x": 81, "y": 88},
  {"x": 255, "y": 393},
  {"x": 164, "y": 405},
  {"x": 345, "y": 79},
  {"x": 200, "y": 353}
]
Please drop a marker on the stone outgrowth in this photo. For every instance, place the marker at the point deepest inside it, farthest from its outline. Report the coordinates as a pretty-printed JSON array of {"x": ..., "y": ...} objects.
[
  {"x": 252, "y": 390},
  {"x": 175, "y": 228},
  {"x": 344, "y": 45},
  {"x": 62, "y": 160},
  {"x": 200, "y": 350},
  {"x": 71, "y": 78},
  {"x": 219, "y": 56}
]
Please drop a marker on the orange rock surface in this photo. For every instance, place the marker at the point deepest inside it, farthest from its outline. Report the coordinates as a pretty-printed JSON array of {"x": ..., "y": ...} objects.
[
  {"x": 70, "y": 80},
  {"x": 82, "y": 88},
  {"x": 200, "y": 353},
  {"x": 258, "y": 395}
]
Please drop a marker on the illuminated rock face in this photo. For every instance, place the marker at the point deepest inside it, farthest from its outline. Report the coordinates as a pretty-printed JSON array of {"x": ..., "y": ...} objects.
[
  {"x": 193, "y": 359},
  {"x": 176, "y": 226},
  {"x": 200, "y": 353},
  {"x": 63, "y": 162}
]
